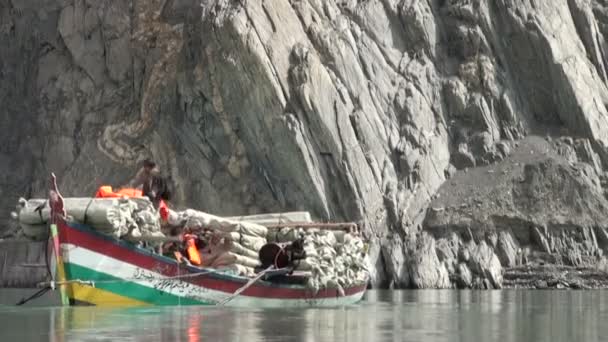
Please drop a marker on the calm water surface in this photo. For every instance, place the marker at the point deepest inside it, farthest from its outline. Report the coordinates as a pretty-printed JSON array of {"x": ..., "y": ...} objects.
[{"x": 384, "y": 316}]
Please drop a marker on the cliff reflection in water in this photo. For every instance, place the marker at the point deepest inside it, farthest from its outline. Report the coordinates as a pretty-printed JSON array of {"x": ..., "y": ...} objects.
[{"x": 384, "y": 316}]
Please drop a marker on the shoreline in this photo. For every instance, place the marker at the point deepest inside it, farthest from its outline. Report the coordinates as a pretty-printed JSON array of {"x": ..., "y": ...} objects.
[{"x": 555, "y": 277}]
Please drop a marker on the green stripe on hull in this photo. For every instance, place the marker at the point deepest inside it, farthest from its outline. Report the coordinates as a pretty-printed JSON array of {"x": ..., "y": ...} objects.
[{"x": 127, "y": 288}]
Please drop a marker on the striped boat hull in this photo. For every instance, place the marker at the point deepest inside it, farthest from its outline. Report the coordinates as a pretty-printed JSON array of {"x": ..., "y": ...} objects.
[{"x": 107, "y": 272}]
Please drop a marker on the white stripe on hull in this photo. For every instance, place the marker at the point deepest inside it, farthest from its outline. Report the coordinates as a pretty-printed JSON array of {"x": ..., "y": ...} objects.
[{"x": 131, "y": 273}]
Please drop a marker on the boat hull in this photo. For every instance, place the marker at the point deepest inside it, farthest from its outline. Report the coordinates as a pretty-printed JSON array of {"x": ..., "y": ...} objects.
[{"x": 106, "y": 272}]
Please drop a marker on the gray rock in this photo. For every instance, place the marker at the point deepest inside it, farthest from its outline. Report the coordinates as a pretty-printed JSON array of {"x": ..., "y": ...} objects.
[
  {"x": 463, "y": 158},
  {"x": 503, "y": 149},
  {"x": 539, "y": 236},
  {"x": 464, "y": 255},
  {"x": 450, "y": 171},
  {"x": 465, "y": 278},
  {"x": 79, "y": 27},
  {"x": 456, "y": 96},
  {"x": 447, "y": 252},
  {"x": 419, "y": 24},
  {"x": 492, "y": 239},
  {"x": 485, "y": 264},
  {"x": 541, "y": 284},
  {"x": 350, "y": 110},
  {"x": 427, "y": 271},
  {"x": 394, "y": 256},
  {"x": 507, "y": 249},
  {"x": 589, "y": 32},
  {"x": 586, "y": 154}
]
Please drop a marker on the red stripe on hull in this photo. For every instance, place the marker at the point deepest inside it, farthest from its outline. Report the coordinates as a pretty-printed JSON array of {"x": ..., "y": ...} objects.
[{"x": 112, "y": 249}]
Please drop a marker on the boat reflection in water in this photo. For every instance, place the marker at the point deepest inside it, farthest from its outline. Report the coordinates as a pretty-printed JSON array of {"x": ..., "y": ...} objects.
[{"x": 432, "y": 315}]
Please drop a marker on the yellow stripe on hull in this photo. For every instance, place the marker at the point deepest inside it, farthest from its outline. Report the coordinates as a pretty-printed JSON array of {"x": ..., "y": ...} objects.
[{"x": 100, "y": 297}]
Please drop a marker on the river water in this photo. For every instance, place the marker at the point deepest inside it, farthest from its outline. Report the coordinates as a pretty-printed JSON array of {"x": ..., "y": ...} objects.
[{"x": 431, "y": 315}]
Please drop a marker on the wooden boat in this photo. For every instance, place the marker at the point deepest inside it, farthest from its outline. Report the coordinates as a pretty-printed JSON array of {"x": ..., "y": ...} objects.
[{"x": 96, "y": 269}]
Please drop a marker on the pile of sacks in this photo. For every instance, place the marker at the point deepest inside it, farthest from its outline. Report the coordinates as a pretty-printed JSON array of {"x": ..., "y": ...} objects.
[
  {"x": 122, "y": 218},
  {"x": 334, "y": 259},
  {"x": 232, "y": 244}
]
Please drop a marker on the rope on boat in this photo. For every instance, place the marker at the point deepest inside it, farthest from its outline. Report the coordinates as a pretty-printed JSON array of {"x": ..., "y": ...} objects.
[
  {"x": 246, "y": 286},
  {"x": 48, "y": 286},
  {"x": 38, "y": 294}
]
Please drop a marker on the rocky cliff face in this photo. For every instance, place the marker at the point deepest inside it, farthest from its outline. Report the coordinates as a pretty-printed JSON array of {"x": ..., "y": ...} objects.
[{"x": 355, "y": 110}]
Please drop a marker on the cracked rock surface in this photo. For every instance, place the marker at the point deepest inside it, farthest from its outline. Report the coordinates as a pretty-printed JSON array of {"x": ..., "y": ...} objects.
[{"x": 468, "y": 137}]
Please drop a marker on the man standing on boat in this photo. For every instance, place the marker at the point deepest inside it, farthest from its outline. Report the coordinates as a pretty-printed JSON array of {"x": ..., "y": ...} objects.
[
  {"x": 144, "y": 176},
  {"x": 156, "y": 187},
  {"x": 153, "y": 184}
]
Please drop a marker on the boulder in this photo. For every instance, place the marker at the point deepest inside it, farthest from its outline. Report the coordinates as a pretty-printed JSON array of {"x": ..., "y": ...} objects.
[
  {"x": 465, "y": 278},
  {"x": 507, "y": 249},
  {"x": 486, "y": 265},
  {"x": 426, "y": 270}
]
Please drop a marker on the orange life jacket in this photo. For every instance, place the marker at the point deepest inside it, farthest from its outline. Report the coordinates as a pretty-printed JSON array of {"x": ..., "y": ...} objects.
[
  {"x": 105, "y": 191},
  {"x": 193, "y": 255},
  {"x": 128, "y": 192}
]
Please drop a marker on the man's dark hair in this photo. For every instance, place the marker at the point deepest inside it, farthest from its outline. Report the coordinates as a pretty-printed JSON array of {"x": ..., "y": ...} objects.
[{"x": 149, "y": 163}]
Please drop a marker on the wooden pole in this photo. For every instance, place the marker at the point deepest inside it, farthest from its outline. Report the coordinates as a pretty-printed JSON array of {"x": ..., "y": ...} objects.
[
  {"x": 57, "y": 214},
  {"x": 310, "y": 225},
  {"x": 156, "y": 239}
]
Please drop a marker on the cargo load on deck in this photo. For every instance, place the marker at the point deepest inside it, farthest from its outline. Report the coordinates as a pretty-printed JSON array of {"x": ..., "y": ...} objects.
[{"x": 323, "y": 258}]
